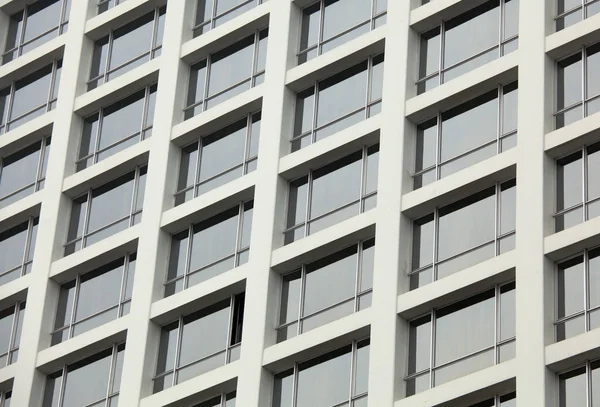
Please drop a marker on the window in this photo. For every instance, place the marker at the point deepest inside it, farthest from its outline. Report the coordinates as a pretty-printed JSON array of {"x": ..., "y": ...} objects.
[
  {"x": 116, "y": 127},
  {"x": 11, "y": 324},
  {"x": 326, "y": 290},
  {"x": 200, "y": 342},
  {"x": 94, "y": 381},
  {"x": 17, "y": 245},
  {"x": 339, "y": 378},
  {"x": 24, "y": 172},
  {"x": 323, "y": 29},
  {"x": 342, "y": 100},
  {"x": 467, "y": 42},
  {"x": 579, "y": 386},
  {"x": 467, "y": 134},
  {"x": 212, "y": 13},
  {"x": 227, "y": 73},
  {"x": 332, "y": 193},
  {"x": 218, "y": 158},
  {"x": 224, "y": 400},
  {"x": 94, "y": 298},
  {"x": 35, "y": 25},
  {"x": 127, "y": 47},
  {"x": 5, "y": 399},
  {"x": 507, "y": 400},
  {"x": 570, "y": 12},
  {"x": 468, "y": 336},
  {"x": 108, "y": 209},
  {"x": 578, "y": 289},
  {"x": 462, "y": 234},
  {"x": 578, "y": 187},
  {"x": 104, "y": 5},
  {"x": 30, "y": 97},
  {"x": 209, "y": 248},
  {"x": 578, "y": 86}
]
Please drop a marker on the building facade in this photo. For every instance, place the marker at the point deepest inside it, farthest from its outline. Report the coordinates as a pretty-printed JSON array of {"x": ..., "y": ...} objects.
[{"x": 300, "y": 203}]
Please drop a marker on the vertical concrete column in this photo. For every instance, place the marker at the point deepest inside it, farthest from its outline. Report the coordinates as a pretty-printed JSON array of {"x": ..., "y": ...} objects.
[
  {"x": 255, "y": 383},
  {"x": 42, "y": 294},
  {"x": 143, "y": 335},
  {"x": 392, "y": 238},
  {"x": 534, "y": 221}
]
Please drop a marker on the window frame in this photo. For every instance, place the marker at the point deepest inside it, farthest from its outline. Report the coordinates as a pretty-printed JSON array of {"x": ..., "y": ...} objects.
[
  {"x": 101, "y": 3},
  {"x": 583, "y": 8},
  {"x": 5, "y": 395},
  {"x": 28, "y": 249},
  {"x": 497, "y": 400},
  {"x": 212, "y": 21},
  {"x": 230, "y": 351},
  {"x": 120, "y": 307},
  {"x": 588, "y": 379},
  {"x": 51, "y": 100},
  {"x": 14, "y": 335},
  {"x": 222, "y": 399},
  {"x": 21, "y": 43},
  {"x": 374, "y": 21}
]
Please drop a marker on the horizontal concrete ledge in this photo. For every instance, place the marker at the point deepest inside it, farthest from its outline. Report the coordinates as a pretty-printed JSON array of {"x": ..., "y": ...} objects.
[
  {"x": 210, "y": 384},
  {"x": 7, "y": 375},
  {"x": 218, "y": 116},
  {"x": 32, "y": 61},
  {"x": 574, "y": 351},
  {"x": 27, "y": 133},
  {"x": 334, "y": 147},
  {"x": 466, "y": 87},
  {"x": 115, "y": 17},
  {"x": 573, "y": 38},
  {"x": 14, "y": 291},
  {"x": 336, "y": 60},
  {"x": 201, "y": 295},
  {"x": 209, "y": 204},
  {"x": 431, "y": 15},
  {"x": 573, "y": 240},
  {"x": 227, "y": 34},
  {"x": 462, "y": 184},
  {"x": 108, "y": 169},
  {"x": 325, "y": 242},
  {"x": 84, "y": 345},
  {"x": 317, "y": 342},
  {"x": 502, "y": 375},
  {"x": 463, "y": 284},
  {"x": 118, "y": 88},
  {"x": 20, "y": 210},
  {"x": 96, "y": 255},
  {"x": 572, "y": 137}
]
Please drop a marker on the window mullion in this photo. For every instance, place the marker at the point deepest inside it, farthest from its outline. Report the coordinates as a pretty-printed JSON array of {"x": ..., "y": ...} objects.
[
  {"x": 436, "y": 226},
  {"x": 206, "y": 81},
  {"x": 63, "y": 383},
  {"x": 188, "y": 257},
  {"x": 247, "y": 142},
  {"x": 321, "y": 27},
  {"x": 63, "y": 17},
  {"x": 154, "y": 38},
  {"x": 74, "y": 306},
  {"x": 441, "y": 57},
  {"x": 432, "y": 350},
  {"x": 176, "y": 361},
  {"x": 353, "y": 355},
  {"x": 586, "y": 287},
  {"x": 145, "y": 108},
  {"x": 497, "y": 220},
  {"x": 111, "y": 37},
  {"x": 134, "y": 194},
  {"x": 111, "y": 373},
  {"x": 27, "y": 243},
  {"x": 213, "y": 14},
  {"x": 584, "y": 163},
  {"x": 369, "y": 86},
  {"x": 124, "y": 274},
  {"x": 40, "y": 165},
  {"x": 295, "y": 374},
  {"x": 230, "y": 328},
  {"x": 583, "y": 82},
  {"x": 13, "y": 90},
  {"x": 88, "y": 209},
  {"x": 497, "y": 319},
  {"x": 438, "y": 146},
  {"x": 11, "y": 339},
  {"x": 22, "y": 33},
  {"x": 359, "y": 256},
  {"x": 51, "y": 87},
  {"x": 501, "y": 31},
  {"x": 302, "y": 299},
  {"x": 313, "y": 130},
  {"x": 500, "y": 126},
  {"x": 254, "y": 57}
]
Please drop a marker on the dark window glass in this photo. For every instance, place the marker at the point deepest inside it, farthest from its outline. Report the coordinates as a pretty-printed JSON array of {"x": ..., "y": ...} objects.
[
  {"x": 217, "y": 245},
  {"x": 29, "y": 97},
  {"x": 127, "y": 47},
  {"x": 226, "y": 73},
  {"x": 22, "y": 173},
  {"x": 11, "y": 323},
  {"x": 104, "y": 5},
  {"x": 342, "y": 100},
  {"x": 106, "y": 210},
  {"x": 507, "y": 400},
  {"x": 570, "y": 12},
  {"x": 223, "y": 400},
  {"x": 213, "y": 13},
  {"x": 465, "y": 338},
  {"x": 17, "y": 245},
  {"x": 467, "y": 42},
  {"x": 326, "y": 290},
  {"x": 218, "y": 158},
  {"x": 465, "y": 233},
  {"x": 200, "y": 342},
  {"x": 337, "y": 191},
  {"x": 35, "y": 25}
]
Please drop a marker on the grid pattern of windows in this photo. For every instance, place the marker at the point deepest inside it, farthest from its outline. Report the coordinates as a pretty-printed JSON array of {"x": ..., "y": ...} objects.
[
  {"x": 339, "y": 378},
  {"x": 461, "y": 338},
  {"x": 116, "y": 127},
  {"x": 17, "y": 246},
  {"x": 463, "y": 234},
  {"x": 466, "y": 135},
  {"x": 94, "y": 298},
  {"x": 570, "y": 12},
  {"x": 213, "y": 13},
  {"x": 218, "y": 158},
  {"x": 580, "y": 386},
  {"x": 35, "y": 25},
  {"x": 209, "y": 248},
  {"x": 127, "y": 47},
  {"x": 11, "y": 324},
  {"x": 468, "y": 41},
  {"x": 322, "y": 29},
  {"x": 23, "y": 172},
  {"x": 227, "y": 73},
  {"x": 200, "y": 342},
  {"x": 106, "y": 210},
  {"x": 338, "y": 102},
  {"x": 29, "y": 97},
  {"x": 326, "y": 290}
]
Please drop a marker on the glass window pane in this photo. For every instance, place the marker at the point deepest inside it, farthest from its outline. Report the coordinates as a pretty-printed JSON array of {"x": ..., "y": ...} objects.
[
  {"x": 196, "y": 85},
  {"x": 214, "y": 239},
  {"x": 593, "y": 171},
  {"x": 297, "y": 201},
  {"x": 132, "y": 40},
  {"x": 121, "y": 120},
  {"x": 282, "y": 393},
  {"x": 231, "y": 65},
  {"x": 361, "y": 376},
  {"x": 19, "y": 169},
  {"x": 572, "y": 388},
  {"x": 571, "y": 287},
  {"x": 569, "y": 86},
  {"x": 429, "y": 58},
  {"x": 87, "y": 382},
  {"x": 166, "y": 349},
  {"x": 6, "y": 323},
  {"x": 508, "y": 207},
  {"x": 223, "y": 150},
  {"x": 42, "y": 17},
  {"x": 100, "y": 290},
  {"x": 110, "y": 202},
  {"x": 569, "y": 179},
  {"x": 507, "y": 311},
  {"x": 367, "y": 266},
  {"x": 31, "y": 92},
  {"x": 594, "y": 283},
  {"x": 419, "y": 345},
  {"x": 12, "y": 246},
  {"x": 593, "y": 66},
  {"x": 311, "y": 20},
  {"x": 511, "y": 18},
  {"x": 354, "y": 12},
  {"x": 510, "y": 107}
]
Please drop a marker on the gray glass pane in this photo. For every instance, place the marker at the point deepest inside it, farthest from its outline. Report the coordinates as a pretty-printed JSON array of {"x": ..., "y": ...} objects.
[
  {"x": 282, "y": 392},
  {"x": 464, "y": 367},
  {"x": 342, "y": 94},
  {"x": 343, "y": 38},
  {"x": 98, "y": 292},
  {"x": 471, "y": 64},
  {"x": 510, "y": 108},
  {"x": 309, "y": 33},
  {"x": 178, "y": 255},
  {"x": 593, "y": 163},
  {"x": 246, "y": 225},
  {"x": 468, "y": 259},
  {"x": 570, "y": 328},
  {"x": 214, "y": 239},
  {"x": 261, "y": 53},
  {"x": 254, "y": 136},
  {"x": 121, "y": 120},
  {"x": 13, "y": 35},
  {"x": 377, "y": 79},
  {"x": 338, "y": 216},
  {"x": 87, "y": 383},
  {"x": 507, "y": 312},
  {"x": 290, "y": 298},
  {"x": 372, "y": 175},
  {"x": 166, "y": 349},
  {"x": 511, "y": 18},
  {"x": 367, "y": 266},
  {"x": 508, "y": 207},
  {"x": 595, "y": 384},
  {"x": 593, "y": 67},
  {"x": 426, "y": 145},
  {"x": 118, "y": 369},
  {"x": 52, "y": 391},
  {"x": 12, "y": 246},
  {"x": 572, "y": 388},
  {"x": 354, "y": 12},
  {"x": 304, "y": 112},
  {"x": 332, "y": 314},
  {"x": 203, "y": 11},
  {"x": 429, "y": 58},
  {"x": 6, "y": 323},
  {"x": 569, "y": 176},
  {"x": 468, "y": 160},
  {"x": 196, "y": 85},
  {"x": 213, "y": 270},
  {"x": 111, "y": 202},
  {"x": 594, "y": 276},
  {"x": 231, "y": 65},
  {"x": 31, "y": 92},
  {"x": 132, "y": 40},
  {"x": 422, "y": 244},
  {"x": 297, "y": 201},
  {"x": 223, "y": 150},
  {"x": 418, "y": 384},
  {"x": 205, "y": 335},
  {"x": 187, "y": 166},
  {"x": 42, "y": 17},
  {"x": 326, "y": 383},
  {"x": 570, "y": 287},
  {"x": 65, "y": 305},
  {"x": 569, "y": 86},
  {"x": 19, "y": 169},
  {"x": 419, "y": 345},
  {"x": 201, "y": 367},
  {"x": 361, "y": 376}
]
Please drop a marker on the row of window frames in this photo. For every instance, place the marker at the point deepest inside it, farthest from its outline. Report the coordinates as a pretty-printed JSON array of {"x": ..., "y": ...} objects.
[
  {"x": 11, "y": 324},
  {"x": 8, "y": 96}
]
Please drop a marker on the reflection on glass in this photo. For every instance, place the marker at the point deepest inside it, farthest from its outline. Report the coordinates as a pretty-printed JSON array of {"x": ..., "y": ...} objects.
[{"x": 213, "y": 13}]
